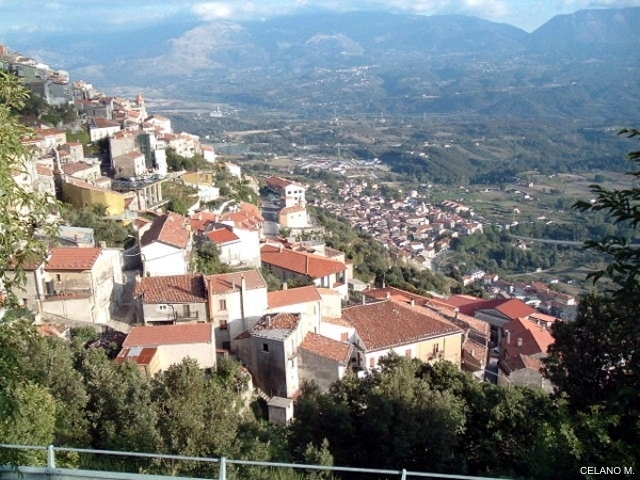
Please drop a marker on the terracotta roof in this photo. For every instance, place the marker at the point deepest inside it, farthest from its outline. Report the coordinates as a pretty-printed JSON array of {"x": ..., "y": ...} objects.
[
  {"x": 280, "y": 321},
  {"x": 475, "y": 349},
  {"x": 169, "y": 335},
  {"x": 396, "y": 294},
  {"x": 292, "y": 209},
  {"x": 246, "y": 219},
  {"x": 293, "y": 296},
  {"x": 535, "y": 339},
  {"x": 481, "y": 327},
  {"x": 464, "y": 303},
  {"x": 328, "y": 291},
  {"x": 75, "y": 167},
  {"x": 222, "y": 236},
  {"x": 279, "y": 182},
  {"x": 327, "y": 347},
  {"x": 188, "y": 288},
  {"x": 520, "y": 362},
  {"x": 515, "y": 308},
  {"x": 99, "y": 122},
  {"x": 72, "y": 258},
  {"x": 201, "y": 219},
  {"x": 44, "y": 171},
  {"x": 388, "y": 324},
  {"x": 169, "y": 229},
  {"x": 227, "y": 282},
  {"x": 302, "y": 263},
  {"x": 337, "y": 321},
  {"x": 141, "y": 356}
]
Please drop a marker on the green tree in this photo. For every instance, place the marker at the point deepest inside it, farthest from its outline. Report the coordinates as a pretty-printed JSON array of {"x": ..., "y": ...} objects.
[
  {"x": 206, "y": 260},
  {"x": 23, "y": 212},
  {"x": 594, "y": 360}
]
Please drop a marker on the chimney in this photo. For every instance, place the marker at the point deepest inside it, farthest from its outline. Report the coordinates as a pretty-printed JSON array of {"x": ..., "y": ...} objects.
[
  {"x": 508, "y": 333},
  {"x": 280, "y": 247},
  {"x": 519, "y": 342},
  {"x": 268, "y": 318},
  {"x": 456, "y": 311},
  {"x": 243, "y": 283},
  {"x": 413, "y": 302},
  {"x": 102, "y": 244},
  {"x": 285, "y": 286},
  {"x": 388, "y": 296}
]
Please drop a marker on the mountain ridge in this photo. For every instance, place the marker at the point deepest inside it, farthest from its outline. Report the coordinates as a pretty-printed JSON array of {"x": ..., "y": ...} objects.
[{"x": 367, "y": 62}]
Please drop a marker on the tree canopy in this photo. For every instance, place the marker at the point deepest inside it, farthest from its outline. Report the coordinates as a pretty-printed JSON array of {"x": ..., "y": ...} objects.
[{"x": 23, "y": 211}]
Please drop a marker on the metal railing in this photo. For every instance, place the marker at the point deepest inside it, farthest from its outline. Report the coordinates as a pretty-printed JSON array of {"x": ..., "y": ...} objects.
[{"x": 402, "y": 474}]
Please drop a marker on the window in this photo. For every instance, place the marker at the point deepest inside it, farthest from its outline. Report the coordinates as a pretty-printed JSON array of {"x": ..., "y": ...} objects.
[
  {"x": 162, "y": 307},
  {"x": 223, "y": 324},
  {"x": 223, "y": 304},
  {"x": 407, "y": 353},
  {"x": 58, "y": 277},
  {"x": 265, "y": 347},
  {"x": 226, "y": 345},
  {"x": 372, "y": 362},
  {"x": 436, "y": 348}
]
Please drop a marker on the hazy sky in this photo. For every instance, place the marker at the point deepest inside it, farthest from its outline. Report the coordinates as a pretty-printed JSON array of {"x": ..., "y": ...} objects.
[{"x": 24, "y": 16}]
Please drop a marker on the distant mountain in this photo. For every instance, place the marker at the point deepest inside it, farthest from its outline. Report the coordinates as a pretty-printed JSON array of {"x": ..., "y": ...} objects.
[
  {"x": 580, "y": 67},
  {"x": 597, "y": 31}
]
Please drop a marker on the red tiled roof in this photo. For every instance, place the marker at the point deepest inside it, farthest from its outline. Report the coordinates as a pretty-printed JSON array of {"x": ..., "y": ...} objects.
[
  {"x": 200, "y": 219},
  {"x": 278, "y": 182},
  {"x": 188, "y": 288},
  {"x": 515, "y": 308},
  {"x": 169, "y": 335},
  {"x": 327, "y": 347},
  {"x": 99, "y": 122},
  {"x": 535, "y": 339},
  {"x": 44, "y": 171},
  {"x": 222, "y": 236},
  {"x": 73, "y": 168},
  {"x": 475, "y": 349},
  {"x": 337, "y": 321},
  {"x": 72, "y": 258},
  {"x": 292, "y": 209},
  {"x": 293, "y": 296},
  {"x": 280, "y": 321},
  {"x": 396, "y": 294},
  {"x": 141, "y": 356},
  {"x": 388, "y": 324},
  {"x": 520, "y": 362},
  {"x": 458, "y": 318},
  {"x": 244, "y": 218},
  {"x": 314, "y": 266},
  {"x": 169, "y": 229},
  {"x": 227, "y": 282}
]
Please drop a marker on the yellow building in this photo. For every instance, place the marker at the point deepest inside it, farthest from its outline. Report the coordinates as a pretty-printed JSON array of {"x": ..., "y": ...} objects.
[
  {"x": 411, "y": 331},
  {"x": 82, "y": 194}
]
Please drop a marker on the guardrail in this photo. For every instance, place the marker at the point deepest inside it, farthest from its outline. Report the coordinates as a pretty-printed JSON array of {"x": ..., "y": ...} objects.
[{"x": 51, "y": 469}]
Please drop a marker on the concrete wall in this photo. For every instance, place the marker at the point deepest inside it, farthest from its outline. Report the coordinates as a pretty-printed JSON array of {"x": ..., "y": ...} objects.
[
  {"x": 204, "y": 353},
  {"x": 160, "y": 259},
  {"x": 321, "y": 370},
  {"x": 80, "y": 196}
]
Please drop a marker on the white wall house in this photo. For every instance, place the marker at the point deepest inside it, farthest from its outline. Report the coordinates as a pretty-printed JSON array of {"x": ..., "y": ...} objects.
[
  {"x": 166, "y": 245},
  {"x": 237, "y": 301},
  {"x": 170, "y": 344}
]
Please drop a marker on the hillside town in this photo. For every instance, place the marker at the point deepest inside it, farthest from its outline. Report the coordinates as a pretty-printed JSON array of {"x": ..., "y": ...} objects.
[{"x": 320, "y": 325}]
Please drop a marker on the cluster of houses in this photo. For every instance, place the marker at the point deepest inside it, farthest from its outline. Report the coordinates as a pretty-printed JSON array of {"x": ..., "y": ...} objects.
[
  {"x": 409, "y": 228},
  {"x": 282, "y": 337}
]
